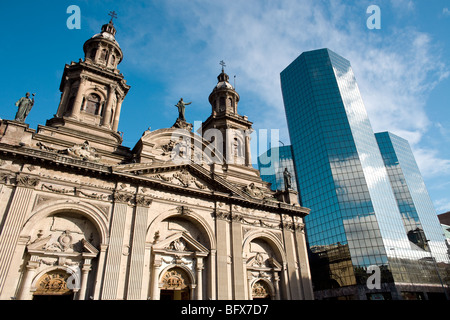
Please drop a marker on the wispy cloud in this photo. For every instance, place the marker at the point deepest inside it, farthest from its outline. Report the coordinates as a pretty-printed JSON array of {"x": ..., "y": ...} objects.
[
  {"x": 396, "y": 68},
  {"x": 446, "y": 12}
]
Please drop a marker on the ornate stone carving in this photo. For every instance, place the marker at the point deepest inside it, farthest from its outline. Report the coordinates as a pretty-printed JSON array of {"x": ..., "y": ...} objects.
[
  {"x": 143, "y": 201},
  {"x": 57, "y": 190},
  {"x": 173, "y": 280},
  {"x": 183, "y": 210},
  {"x": 221, "y": 215},
  {"x": 260, "y": 290},
  {"x": 254, "y": 191},
  {"x": 84, "y": 152},
  {"x": 122, "y": 197},
  {"x": 54, "y": 283},
  {"x": 178, "y": 245},
  {"x": 27, "y": 181},
  {"x": 184, "y": 177}
]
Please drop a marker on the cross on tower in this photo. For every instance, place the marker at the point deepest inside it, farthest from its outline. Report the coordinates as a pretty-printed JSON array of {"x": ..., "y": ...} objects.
[
  {"x": 222, "y": 63},
  {"x": 113, "y": 15}
]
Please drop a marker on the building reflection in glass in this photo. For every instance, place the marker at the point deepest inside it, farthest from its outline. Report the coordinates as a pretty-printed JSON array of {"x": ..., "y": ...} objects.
[{"x": 357, "y": 217}]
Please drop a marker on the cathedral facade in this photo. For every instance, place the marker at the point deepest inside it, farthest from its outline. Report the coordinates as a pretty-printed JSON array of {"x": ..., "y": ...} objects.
[{"x": 181, "y": 216}]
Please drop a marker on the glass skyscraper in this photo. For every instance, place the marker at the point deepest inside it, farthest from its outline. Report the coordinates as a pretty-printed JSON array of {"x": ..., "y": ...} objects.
[{"x": 355, "y": 220}]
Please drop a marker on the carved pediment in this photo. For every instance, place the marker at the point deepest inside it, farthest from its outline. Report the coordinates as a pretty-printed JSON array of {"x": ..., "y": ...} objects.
[
  {"x": 181, "y": 242},
  {"x": 185, "y": 176},
  {"x": 262, "y": 261},
  {"x": 62, "y": 243},
  {"x": 175, "y": 146},
  {"x": 83, "y": 151}
]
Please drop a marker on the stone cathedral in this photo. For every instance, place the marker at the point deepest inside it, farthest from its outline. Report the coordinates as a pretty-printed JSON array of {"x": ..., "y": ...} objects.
[{"x": 181, "y": 216}]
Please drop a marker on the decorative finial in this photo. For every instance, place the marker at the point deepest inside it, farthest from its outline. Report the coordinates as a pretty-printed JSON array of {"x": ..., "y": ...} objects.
[
  {"x": 222, "y": 63},
  {"x": 113, "y": 15}
]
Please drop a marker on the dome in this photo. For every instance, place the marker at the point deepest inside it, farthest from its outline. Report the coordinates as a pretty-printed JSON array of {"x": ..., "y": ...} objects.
[
  {"x": 224, "y": 85},
  {"x": 106, "y": 35}
]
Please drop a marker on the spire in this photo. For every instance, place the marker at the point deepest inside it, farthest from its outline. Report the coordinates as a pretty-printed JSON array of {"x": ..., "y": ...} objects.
[
  {"x": 223, "y": 77},
  {"x": 109, "y": 27}
]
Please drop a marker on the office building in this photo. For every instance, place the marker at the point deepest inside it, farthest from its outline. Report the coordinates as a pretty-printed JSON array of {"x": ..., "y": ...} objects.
[{"x": 355, "y": 221}]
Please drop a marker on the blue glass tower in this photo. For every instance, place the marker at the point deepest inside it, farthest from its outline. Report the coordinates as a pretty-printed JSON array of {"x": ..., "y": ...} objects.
[
  {"x": 355, "y": 221},
  {"x": 419, "y": 216}
]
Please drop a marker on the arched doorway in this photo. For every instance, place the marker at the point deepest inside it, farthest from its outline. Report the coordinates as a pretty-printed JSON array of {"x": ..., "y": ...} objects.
[
  {"x": 54, "y": 286},
  {"x": 175, "y": 285}
]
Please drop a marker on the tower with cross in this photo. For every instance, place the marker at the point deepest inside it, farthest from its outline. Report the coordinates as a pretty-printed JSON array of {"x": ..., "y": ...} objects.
[
  {"x": 113, "y": 16},
  {"x": 225, "y": 118},
  {"x": 93, "y": 89}
]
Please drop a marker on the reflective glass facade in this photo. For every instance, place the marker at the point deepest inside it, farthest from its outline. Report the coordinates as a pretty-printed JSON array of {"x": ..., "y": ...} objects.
[
  {"x": 355, "y": 221},
  {"x": 272, "y": 164}
]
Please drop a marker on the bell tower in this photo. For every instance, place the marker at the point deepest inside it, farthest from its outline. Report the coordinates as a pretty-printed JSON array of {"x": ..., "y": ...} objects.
[
  {"x": 93, "y": 89},
  {"x": 229, "y": 129}
]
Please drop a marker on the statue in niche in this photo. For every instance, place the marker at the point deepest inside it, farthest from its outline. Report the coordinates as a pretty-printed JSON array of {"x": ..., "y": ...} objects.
[{"x": 24, "y": 104}]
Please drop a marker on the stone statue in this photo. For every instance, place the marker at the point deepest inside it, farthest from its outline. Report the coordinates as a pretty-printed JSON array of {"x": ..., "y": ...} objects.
[
  {"x": 24, "y": 104},
  {"x": 181, "y": 105},
  {"x": 287, "y": 179}
]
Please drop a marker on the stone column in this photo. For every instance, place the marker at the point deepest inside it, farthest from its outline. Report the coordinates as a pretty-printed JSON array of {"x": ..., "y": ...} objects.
[
  {"x": 138, "y": 249},
  {"x": 64, "y": 98},
  {"x": 238, "y": 271},
  {"x": 100, "y": 268},
  {"x": 115, "y": 125},
  {"x": 286, "y": 282},
  {"x": 84, "y": 279},
  {"x": 28, "y": 278},
  {"x": 79, "y": 98},
  {"x": 15, "y": 219},
  {"x": 212, "y": 275},
  {"x": 305, "y": 273},
  {"x": 276, "y": 285},
  {"x": 199, "y": 269},
  {"x": 222, "y": 255},
  {"x": 288, "y": 237},
  {"x": 248, "y": 152},
  {"x": 109, "y": 104},
  {"x": 155, "y": 278},
  {"x": 115, "y": 249}
]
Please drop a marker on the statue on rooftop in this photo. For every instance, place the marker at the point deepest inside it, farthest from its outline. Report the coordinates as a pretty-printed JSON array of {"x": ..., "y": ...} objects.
[
  {"x": 181, "y": 105},
  {"x": 24, "y": 104},
  {"x": 287, "y": 179}
]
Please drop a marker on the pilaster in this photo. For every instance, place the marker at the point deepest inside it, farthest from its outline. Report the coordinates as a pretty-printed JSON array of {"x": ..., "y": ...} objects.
[
  {"x": 238, "y": 267},
  {"x": 137, "y": 259},
  {"x": 222, "y": 219},
  {"x": 115, "y": 248},
  {"x": 15, "y": 218},
  {"x": 291, "y": 253}
]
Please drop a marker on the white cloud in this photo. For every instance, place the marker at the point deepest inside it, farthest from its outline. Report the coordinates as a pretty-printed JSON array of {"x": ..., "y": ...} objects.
[
  {"x": 446, "y": 12},
  {"x": 395, "y": 69},
  {"x": 442, "y": 205},
  {"x": 430, "y": 163}
]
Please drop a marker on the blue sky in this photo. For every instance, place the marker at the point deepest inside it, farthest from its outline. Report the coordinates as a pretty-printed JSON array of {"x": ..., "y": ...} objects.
[{"x": 172, "y": 49}]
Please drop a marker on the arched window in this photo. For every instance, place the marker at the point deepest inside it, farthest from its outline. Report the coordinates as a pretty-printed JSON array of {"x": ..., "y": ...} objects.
[
  {"x": 93, "y": 54},
  {"x": 222, "y": 104},
  {"x": 93, "y": 104},
  {"x": 104, "y": 54},
  {"x": 113, "y": 60}
]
